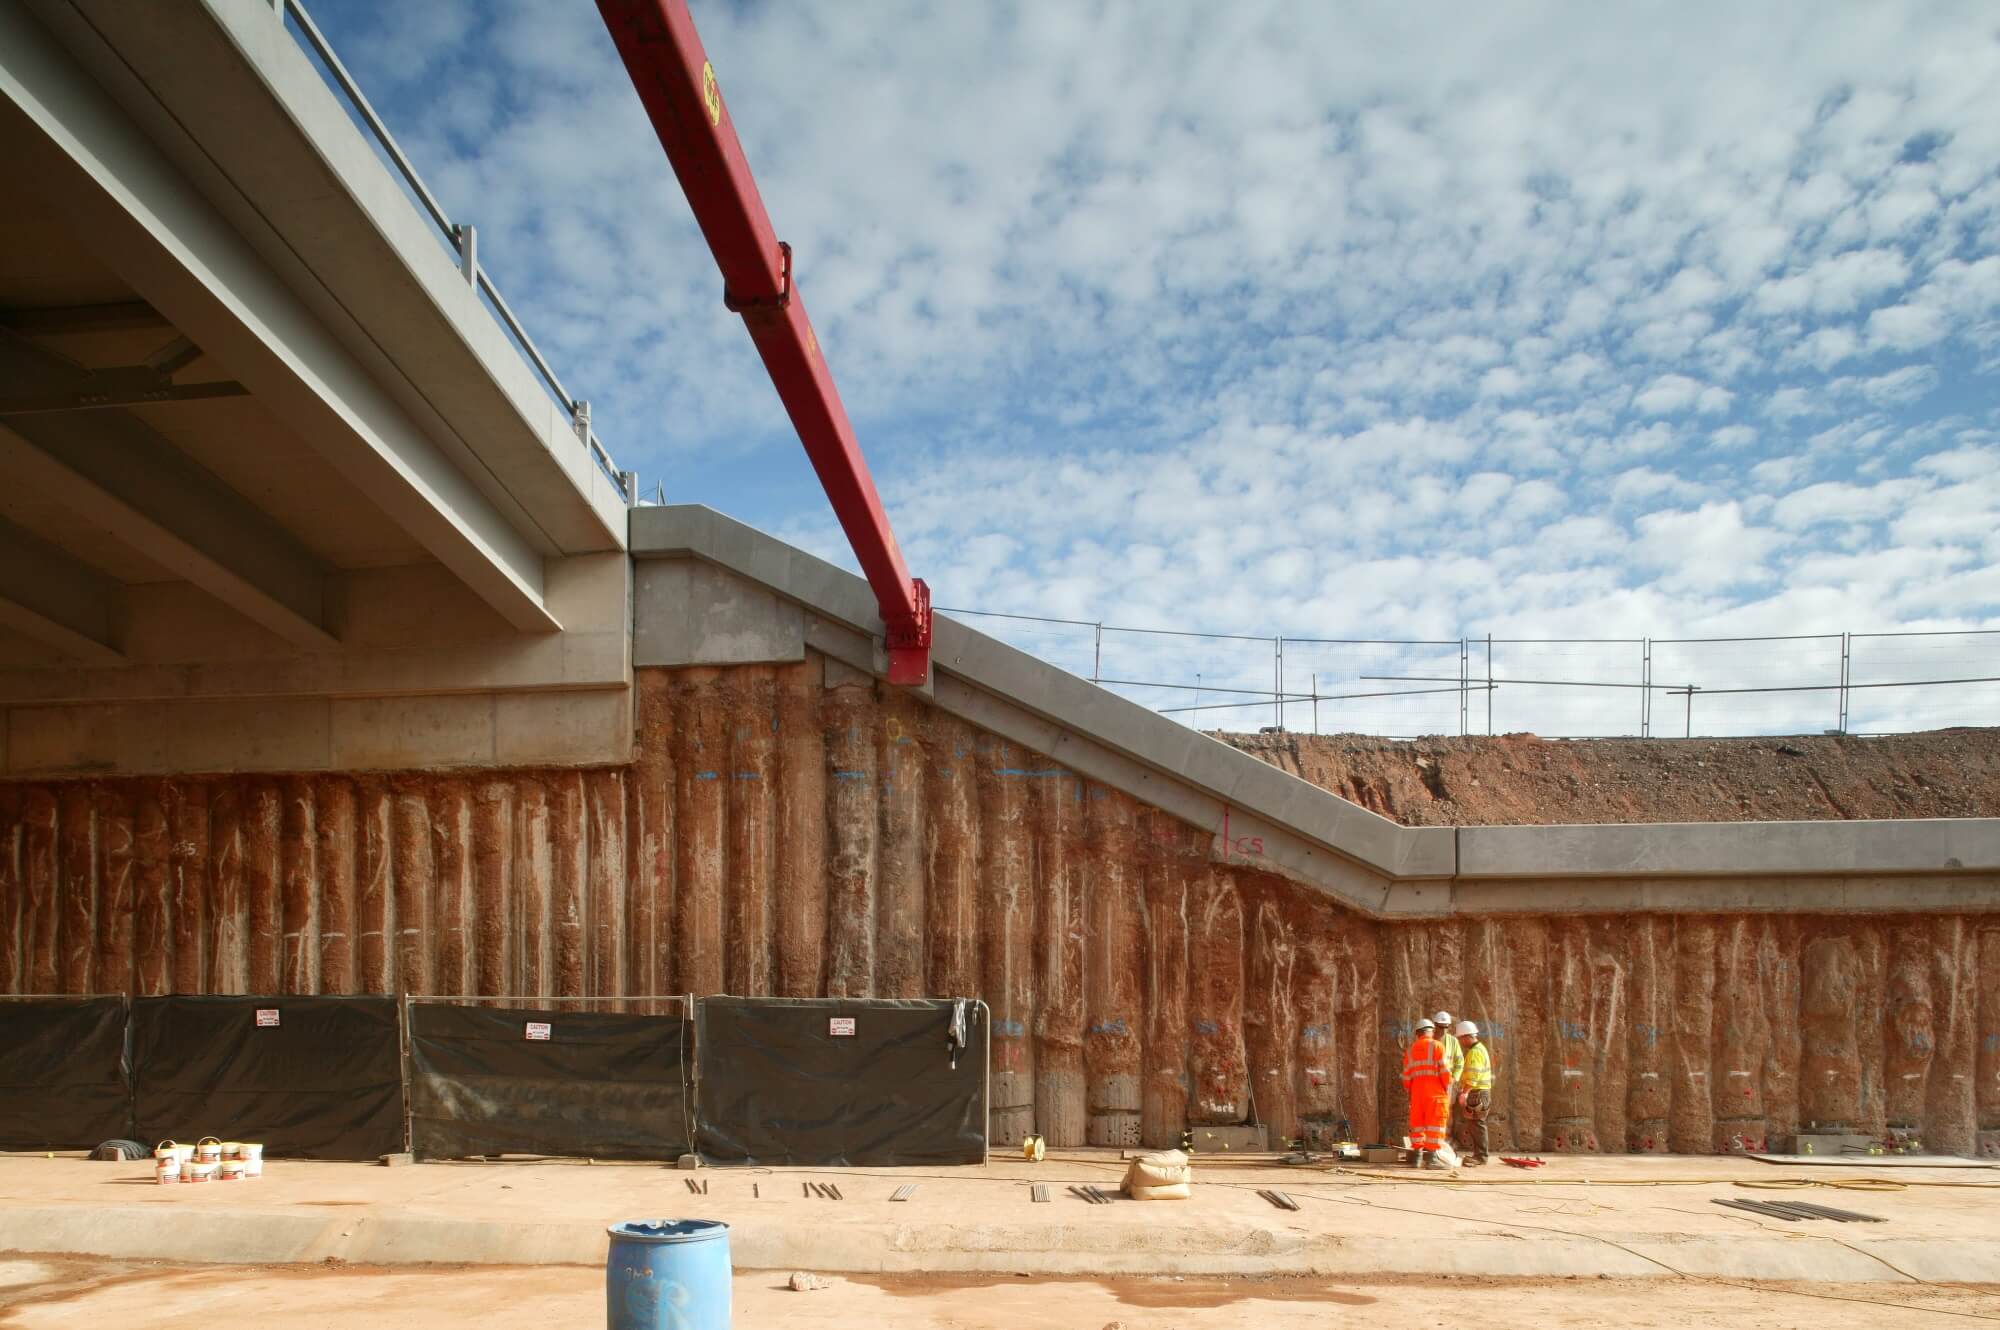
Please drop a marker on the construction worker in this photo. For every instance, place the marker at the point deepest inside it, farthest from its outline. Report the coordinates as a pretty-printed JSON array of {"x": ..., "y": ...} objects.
[
  {"x": 1475, "y": 1093},
  {"x": 1429, "y": 1084},
  {"x": 1454, "y": 1062}
]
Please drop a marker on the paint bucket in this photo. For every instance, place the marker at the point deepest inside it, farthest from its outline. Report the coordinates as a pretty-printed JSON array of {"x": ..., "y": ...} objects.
[
  {"x": 229, "y": 1170},
  {"x": 166, "y": 1168},
  {"x": 662, "y": 1272},
  {"x": 208, "y": 1150},
  {"x": 200, "y": 1171},
  {"x": 253, "y": 1160},
  {"x": 232, "y": 1150}
]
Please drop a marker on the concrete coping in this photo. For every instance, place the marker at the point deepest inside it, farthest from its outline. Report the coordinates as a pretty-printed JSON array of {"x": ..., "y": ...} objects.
[{"x": 1954, "y": 846}]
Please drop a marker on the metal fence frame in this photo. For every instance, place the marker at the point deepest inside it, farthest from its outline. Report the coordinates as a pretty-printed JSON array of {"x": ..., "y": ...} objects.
[
  {"x": 1477, "y": 672},
  {"x": 462, "y": 239}
]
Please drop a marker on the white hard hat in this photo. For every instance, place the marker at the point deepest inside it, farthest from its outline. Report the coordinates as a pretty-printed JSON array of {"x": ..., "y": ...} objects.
[
  {"x": 1467, "y": 1027},
  {"x": 1442, "y": 1020},
  {"x": 1423, "y": 1024}
]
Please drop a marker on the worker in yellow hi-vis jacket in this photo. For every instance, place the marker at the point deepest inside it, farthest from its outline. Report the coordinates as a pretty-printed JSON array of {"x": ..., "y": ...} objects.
[
  {"x": 1454, "y": 1063},
  {"x": 1474, "y": 1093}
]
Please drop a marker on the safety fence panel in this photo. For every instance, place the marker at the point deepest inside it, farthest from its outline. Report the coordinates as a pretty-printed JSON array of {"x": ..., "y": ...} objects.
[
  {"x": 517, "y": 1080},
  {"x": 63, "y": 1069},
  {"x": 312, "y": 1077},
  {"x": 835, "y": 1081}
]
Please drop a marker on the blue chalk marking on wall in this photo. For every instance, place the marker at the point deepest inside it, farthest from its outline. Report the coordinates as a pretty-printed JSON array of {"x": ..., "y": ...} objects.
[
  {"x": 850, "y": 775},
  {"x": 1009, "y": 1029},
  {"x": 706, "y": 775},
  {"x": 1206, "y": 1027},
  {"x": 748, "y": 775},
  {"x": 1019, "y": 771},
  {"x": 1115, "y": 1025}
]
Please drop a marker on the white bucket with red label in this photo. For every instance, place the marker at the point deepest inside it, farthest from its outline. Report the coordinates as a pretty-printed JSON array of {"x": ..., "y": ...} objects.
[
  {"x": 229, "y": 1170},
  {"x": 166, "y": 1168},
  {"x": 200, "y": 1171},
  {"x": 253, "y": 1160},
  {"x": 208, "y": 1150}
]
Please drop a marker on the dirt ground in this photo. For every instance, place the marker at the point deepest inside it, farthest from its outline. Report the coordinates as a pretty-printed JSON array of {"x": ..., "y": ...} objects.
[
  {"x": 1519, "y": 779},
  {"x": 46, "y": 1295}
]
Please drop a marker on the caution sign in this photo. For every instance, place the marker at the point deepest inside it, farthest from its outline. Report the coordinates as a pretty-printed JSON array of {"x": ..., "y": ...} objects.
[
  {"x": 267, "y": 1016},
  {"x": 840, "y": 1027},
  {"x": 538, "y": 1029}
]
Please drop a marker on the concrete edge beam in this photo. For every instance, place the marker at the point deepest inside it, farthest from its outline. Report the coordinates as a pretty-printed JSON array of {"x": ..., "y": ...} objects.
[
  {"x": 139, "y": 212},
  {"x": 55, "y": 600},
  {"x": 371, "y": 247},
  {"x": 1735, "y": 849}
]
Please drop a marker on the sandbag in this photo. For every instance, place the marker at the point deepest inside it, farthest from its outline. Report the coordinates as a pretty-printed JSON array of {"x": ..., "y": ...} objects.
[
  {"x": 1165, "y": 1175},
  {"x": 1174, "y": 1191}
]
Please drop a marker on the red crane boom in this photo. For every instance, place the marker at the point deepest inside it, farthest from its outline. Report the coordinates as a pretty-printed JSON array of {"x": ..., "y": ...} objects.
[{"x": 662, "y": 52}]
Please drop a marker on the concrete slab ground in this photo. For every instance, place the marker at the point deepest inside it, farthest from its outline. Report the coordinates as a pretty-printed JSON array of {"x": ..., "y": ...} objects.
[
  {"x": 58, "y": 1295},
  {"x": 1617, "y": 1217}
]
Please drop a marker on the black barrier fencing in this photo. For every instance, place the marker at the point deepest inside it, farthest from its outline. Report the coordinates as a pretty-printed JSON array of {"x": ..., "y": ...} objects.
[
  {"x": 309, "y": 1077},
  {"x": 548, "y": 1081},
  {"x": 65, "y": 1072},
  {"x": 763, "y": 1080},
  {"x": 837, "y": 1081}
]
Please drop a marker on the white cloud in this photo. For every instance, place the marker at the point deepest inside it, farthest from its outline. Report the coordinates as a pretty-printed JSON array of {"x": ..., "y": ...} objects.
[
  {"x": 1707, "y": 548},
  {"x": 1671, "y": 394},
  {"x": 1837, "y": 501},
  {"x": 1905, "y": 327}
]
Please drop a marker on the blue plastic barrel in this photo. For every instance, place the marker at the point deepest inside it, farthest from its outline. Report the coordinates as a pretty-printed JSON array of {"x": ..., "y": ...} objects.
[{"x": 667, "y": 1274}]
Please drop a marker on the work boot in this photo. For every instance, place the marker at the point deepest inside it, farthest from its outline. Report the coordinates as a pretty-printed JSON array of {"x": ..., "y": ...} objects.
[{"x": 1423, "y": 1159}]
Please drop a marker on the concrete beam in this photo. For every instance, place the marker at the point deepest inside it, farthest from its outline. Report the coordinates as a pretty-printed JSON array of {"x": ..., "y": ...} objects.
[
  {"x": 113, "y": 471},
  {"x": 139, "y": 211},
  {"x": 50, "y": 597}
]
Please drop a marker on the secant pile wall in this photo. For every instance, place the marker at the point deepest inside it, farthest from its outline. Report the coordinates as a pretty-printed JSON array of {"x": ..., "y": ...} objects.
[{"x": 786, "y": 831}]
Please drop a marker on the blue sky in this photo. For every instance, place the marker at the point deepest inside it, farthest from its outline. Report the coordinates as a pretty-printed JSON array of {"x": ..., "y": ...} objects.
[{"x": 1330, "y": 320}]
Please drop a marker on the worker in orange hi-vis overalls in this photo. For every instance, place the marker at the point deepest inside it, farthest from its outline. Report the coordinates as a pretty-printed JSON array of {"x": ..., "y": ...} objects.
[{"x": 1428, "y": 1079}]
